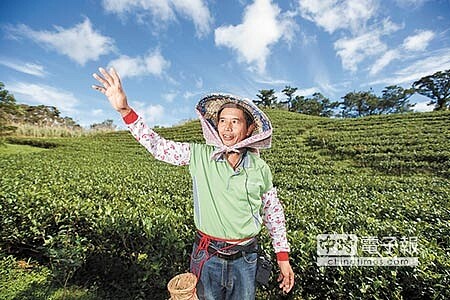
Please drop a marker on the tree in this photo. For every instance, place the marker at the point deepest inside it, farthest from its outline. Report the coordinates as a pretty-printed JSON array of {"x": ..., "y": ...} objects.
[
  {"x": 107, "y": 125},
  {"x": 8, "y": 107},
  {"x": 70, "y": 123},
  {"x": 39, "y": 115},
  {"x": 8, "y": 104},
  {"x": 42, "y": 115},
  {"x": 437, "y": 88},
  {"x": 289, "y": 92},
  {"x": 317, "y": 105},
  {"x": 358, "y": 104},
  {"x": 297, "y": 103},
  {"x": 267, "y": 98},
  {"x": 394, "y": 99},
  {"x": 325, "y": 105},
  {"x": 307, "y": 106}
]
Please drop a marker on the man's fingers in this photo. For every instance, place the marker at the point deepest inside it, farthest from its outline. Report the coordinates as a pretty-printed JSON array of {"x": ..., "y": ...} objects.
[
  {"x": 286, "y": 281},
  {"x": 107, "y": 76},
  {"x": 115, "y": 76},
  {"x": 101, "y": 80},
  {"x": 289, "y": 282},
  {"x": 99, "y": 88}
]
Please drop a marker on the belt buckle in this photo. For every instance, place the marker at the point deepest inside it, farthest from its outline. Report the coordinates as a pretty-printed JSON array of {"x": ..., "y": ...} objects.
[{"x": 229, "y": 256}]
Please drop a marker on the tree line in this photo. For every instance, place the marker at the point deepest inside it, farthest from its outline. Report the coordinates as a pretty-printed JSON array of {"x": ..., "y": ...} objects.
[
  {"x": 394, "y": 99},
  {"x": 12, "y": 113}
]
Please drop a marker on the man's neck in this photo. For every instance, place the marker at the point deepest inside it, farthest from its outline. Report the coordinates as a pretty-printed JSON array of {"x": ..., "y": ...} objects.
[{"x": 234, "y": 159}]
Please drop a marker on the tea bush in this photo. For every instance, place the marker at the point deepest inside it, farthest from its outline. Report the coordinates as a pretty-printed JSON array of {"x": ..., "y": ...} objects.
[{"x": 100, "y": 212}]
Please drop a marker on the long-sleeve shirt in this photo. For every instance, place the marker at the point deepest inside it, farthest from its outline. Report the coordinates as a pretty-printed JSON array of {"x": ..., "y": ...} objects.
[{"x": 180, "y": 153}]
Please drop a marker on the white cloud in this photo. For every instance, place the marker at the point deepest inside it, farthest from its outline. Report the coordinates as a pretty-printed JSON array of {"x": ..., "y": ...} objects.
[
  {"x": 327, "y": 87},
  {"x": 416, "y": 43},
  {"x": 383, "y": 61},
  {"x": 419, "y": 41},
  {"x": 439, "y": 61},
  {"x": 356, "y": 49},
  {"x": 43, "y": 94},
  {"x": 262, "y": 26},
  {"x": 199, "y": 83},
  {"x": 363, "y": 39},
  {"x": 98, "y": 112},
  {"x": 386, "y": 27},
  {"x": 270, "y": 81},
  {"x": 151, "y": 64},
  {"x": 423, "y": 106},
  {"x": 432, "y": 63},
  {"x": 81, "y": 43},
  {"x": 27, "y": 68},
  {"x": 165, "y": 11},
  {"x": 198, "y": 11},
  {"x": 169, "y": 97},
  {"x": 159, "y": 8},
  {"x": 406, "y": 4},
  {"x": 152, "y": 114},
  {"x": 190, "y": 94},
  {"x": 306, "y": 92},
  {"x": 338, "y": 14}
]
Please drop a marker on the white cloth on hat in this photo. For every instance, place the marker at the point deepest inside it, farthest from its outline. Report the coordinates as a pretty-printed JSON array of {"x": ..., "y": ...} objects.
[{"x": 207, "y": 110}]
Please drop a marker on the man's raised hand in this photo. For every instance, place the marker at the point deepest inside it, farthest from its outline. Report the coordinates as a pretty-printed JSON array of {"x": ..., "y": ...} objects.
[{"x": 111, "y": 87}]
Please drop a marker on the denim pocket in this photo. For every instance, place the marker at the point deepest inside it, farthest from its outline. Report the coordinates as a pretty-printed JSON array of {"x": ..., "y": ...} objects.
[
  {"x": 196, "y": 264},
  {"x": 250, "y": 258},
  {"x": 197, "y": 257}
]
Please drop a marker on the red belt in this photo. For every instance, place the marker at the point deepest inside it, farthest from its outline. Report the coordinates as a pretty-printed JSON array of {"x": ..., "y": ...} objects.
[{"x": 204, "y": 243}]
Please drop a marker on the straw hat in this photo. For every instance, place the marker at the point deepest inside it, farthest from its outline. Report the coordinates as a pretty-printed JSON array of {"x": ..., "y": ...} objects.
[{"x": 210, "y": 105}]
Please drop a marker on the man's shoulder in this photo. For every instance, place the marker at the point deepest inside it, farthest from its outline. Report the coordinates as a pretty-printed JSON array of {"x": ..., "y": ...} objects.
[
  {"x": 200, "y": 151},
  {"x": 197, "y": 147},
  {"x": 258, "y": 162}
]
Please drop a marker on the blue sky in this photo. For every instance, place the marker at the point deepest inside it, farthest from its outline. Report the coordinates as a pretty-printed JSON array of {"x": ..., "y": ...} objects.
[{"x": 170, "y": 53}]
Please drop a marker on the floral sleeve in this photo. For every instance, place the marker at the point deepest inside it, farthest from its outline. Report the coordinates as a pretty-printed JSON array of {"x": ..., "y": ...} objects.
[
  {"x": 175, "y": 153},
  {"x": 274, "y": 220}
]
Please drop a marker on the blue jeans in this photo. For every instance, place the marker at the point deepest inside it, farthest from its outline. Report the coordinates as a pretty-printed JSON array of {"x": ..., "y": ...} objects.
[{"x": 222, "y": 279}]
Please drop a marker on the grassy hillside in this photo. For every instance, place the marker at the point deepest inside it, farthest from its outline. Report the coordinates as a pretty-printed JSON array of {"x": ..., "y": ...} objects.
[{"x": 99, "y": 214}]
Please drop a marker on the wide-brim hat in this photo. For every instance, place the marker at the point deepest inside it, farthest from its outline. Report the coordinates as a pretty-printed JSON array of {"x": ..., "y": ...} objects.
[{"x": 210, "y": 105}]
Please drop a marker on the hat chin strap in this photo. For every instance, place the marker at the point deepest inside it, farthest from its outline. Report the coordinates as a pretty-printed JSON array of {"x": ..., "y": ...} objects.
[
  {"x": 228, "y": 151},
  {"x": 224, "y": 150}
]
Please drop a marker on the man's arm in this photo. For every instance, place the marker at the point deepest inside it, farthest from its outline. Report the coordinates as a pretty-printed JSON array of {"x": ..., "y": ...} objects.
[
  {"x": 162, "y": 149},
  {"x": 175, "y": 153},
  {"x": 274, "y": 220}
]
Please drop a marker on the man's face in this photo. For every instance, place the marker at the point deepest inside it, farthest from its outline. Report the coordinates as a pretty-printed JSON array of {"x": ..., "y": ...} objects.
[{"x": 232, "y": 126}]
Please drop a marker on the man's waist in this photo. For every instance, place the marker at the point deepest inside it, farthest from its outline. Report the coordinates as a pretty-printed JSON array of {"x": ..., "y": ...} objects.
[{"x": 228, "y": 247}]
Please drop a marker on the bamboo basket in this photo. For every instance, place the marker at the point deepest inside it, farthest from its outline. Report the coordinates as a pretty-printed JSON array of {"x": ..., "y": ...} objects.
[{"x": 182, "y": 287}]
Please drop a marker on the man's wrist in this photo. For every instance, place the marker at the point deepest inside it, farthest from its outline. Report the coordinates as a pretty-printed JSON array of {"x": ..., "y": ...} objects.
[
  {"x": 130, "y": 117},
  {"x": 282, "y": 256},
  {"x": 124, "y": 111}
]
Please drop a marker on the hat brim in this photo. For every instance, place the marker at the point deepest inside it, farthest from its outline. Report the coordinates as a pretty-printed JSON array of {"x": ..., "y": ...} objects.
[{"x": 210, "y": 105}]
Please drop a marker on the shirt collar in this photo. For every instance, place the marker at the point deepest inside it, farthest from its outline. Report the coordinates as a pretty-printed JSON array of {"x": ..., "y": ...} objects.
[{"x": 244, "y": 161}]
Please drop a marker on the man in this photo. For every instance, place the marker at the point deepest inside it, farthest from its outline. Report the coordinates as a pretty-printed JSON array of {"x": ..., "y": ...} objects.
[{"x": 231, "y": 184}]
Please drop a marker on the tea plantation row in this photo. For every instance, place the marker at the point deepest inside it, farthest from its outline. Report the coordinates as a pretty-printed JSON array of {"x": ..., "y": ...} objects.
[{"x": 101, "y": 213}]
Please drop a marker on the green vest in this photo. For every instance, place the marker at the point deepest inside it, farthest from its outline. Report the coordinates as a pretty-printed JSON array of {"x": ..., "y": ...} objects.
[{"x": 227, "y": 202}]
